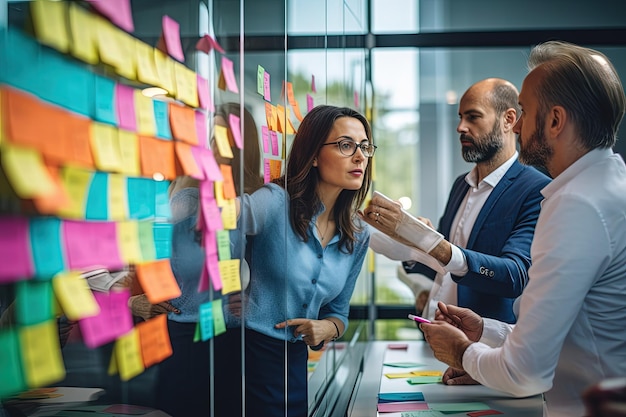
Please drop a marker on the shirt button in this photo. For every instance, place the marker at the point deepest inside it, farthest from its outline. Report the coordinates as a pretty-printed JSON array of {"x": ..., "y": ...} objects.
[
  {"x": 314, "y": 281},
  {"x": 319, "y": 256},
  {"x": 305, "y": 305}
]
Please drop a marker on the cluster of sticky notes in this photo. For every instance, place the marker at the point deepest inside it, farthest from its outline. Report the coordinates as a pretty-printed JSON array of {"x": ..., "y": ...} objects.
[
  {"x": 41, "y": 247},
  {"x": 413, "y": 404}
]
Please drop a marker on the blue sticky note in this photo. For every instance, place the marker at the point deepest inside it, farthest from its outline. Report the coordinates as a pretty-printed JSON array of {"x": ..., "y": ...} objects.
[
  {"x": 20, "y": 62},
  {"x": 12, "y": 377},
  {"x": 98, "y": 197},
  {"x": 162, "y": 119},
  {"x": 162, "y": 240},
  {"x": 206, "y": 321},
  {"x": 46, "y": 245},
  {"x": 33, "y": 302},
  {"x": 392, "y": 397},
  {"x": 162, "y": 199},
  {"x": 104, "y": 102},
  {"x": 65, "y": 83},
  {"x": 140, "y": 198}
]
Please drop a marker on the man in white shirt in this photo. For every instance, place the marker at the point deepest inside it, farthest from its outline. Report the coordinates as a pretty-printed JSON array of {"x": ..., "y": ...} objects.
[{"x": 570, "y": 330}]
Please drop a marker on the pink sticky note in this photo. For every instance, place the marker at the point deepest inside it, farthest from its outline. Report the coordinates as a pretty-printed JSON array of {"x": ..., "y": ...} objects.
[
  {"x": 235, "y": 128},
  {"x": 313, "y": 84},
  {"x": 125, "y": 107},
  {"x": 170, "y": 38},
  {"x": 212, "y": 216},
  {"x": 266, "y": 170},
  {"x": 266, "y": 139},
  {"x": 15, "y": 253},
  {"x": 113, "y": 321},
  {"x": 309, "y": 103},
  {"x": 229, "y": 75},
  {"x": 356, "y": 99},
  {"x": 201, "y": 127},
  {"x": 214, "y": 271},
  {"x": 267, "y": 95},
  {"x": 204, "y": 95},
  {"x": 400, "y": 406},
  {"x": 274, "y": 137},
  {"x": 118, "y": 12},
  {"x": 91, "y": 244},
  {"x": 206, "y": 43},
  {"x": 203, "y": 284},
  {"x": 206, "y": 160}
]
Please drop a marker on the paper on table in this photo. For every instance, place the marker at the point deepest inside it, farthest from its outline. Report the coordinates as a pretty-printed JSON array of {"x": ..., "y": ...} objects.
[{"x": 392, "y": 249}]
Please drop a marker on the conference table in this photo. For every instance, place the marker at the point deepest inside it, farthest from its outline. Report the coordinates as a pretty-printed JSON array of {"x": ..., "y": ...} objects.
[{"x": 384, "y": 357}]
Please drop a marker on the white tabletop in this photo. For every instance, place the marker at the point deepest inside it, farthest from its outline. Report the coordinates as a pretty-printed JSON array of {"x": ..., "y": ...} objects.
[{"x": 365, "y": 401}]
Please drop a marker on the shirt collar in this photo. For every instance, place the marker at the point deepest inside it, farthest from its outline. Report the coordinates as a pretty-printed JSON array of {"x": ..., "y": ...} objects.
[{"x": 493, "y": 178}]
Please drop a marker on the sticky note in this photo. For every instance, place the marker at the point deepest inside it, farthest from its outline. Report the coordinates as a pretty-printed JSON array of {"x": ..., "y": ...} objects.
[
  {"x": 274, "y": 142},
  {"x": 162, "y": 200},
  {"x": 162, "y": 119},
  {"x": 146, "y": 241},
  {"x": 229, "y": 215},
  {"x": 41, "y": 354},
  {"x": 15, "y": 261},
  {"x": 11, "y": 377},
  {"x": 201, "y": 128},
  {"x": 76, "y": 183},
  {"x": 413, "y": 380},
  {"x": 128, "y": 242},
  {"x": 183, "y": 123},
  {"x": 74, "y": 296},
  {"x": 90, "y": 244},
  {"x": 218, "y": 317},
  {"x": 127, "y": 355},
  {"x": 113, "y": 321},
  {"x": 162, "y": 235},
  {"x": 223, "y": 244},
  {"x": 229, "y": 271},
  {"x": 170, "y": 38},
  {"x": 45, "y": 242},
  {"x": 50, "y": 22},
  {"x": 260, "y": 77},
  {"x": 97, "y": 198},
  {"x": 84, "y": 44},
  {"x": 146, "y": 65},
  {"x": 235, "y": 127},
  {"x": 309, "y": 103},
  {"x": 157, "y": 158},
  {"x": 463, "y": 407},
  {"x": 227, "y": 76},
  {"x": 205, "y": 159},
  {"x": 187, "y": 161},
  {"x": 222, "y": 142},
  {"x": 186, "y": 85},
  {"x": 125, "y": 107},
  {"x": 165, "y": 69},
  {"x": 105, "y": 105},
  {"x": 154, "y": 340},
  {"x": 141, "y": 205},
  {"x": 267, "y": 93},
  {"x": 205, "y": 316},
  {"x": 228, "y": 183},
  {"x": 33, "y": 302},
  {"x": 128, "y": 143},
  {"x": 106, "y": 147},
  {"x": 204, "y": 94},
  {"x": 16, "y": 161},
  {"x": 158, "y": 281},
  {"x": 118, "y": 11},
  {"x": 144, "y": 112}
]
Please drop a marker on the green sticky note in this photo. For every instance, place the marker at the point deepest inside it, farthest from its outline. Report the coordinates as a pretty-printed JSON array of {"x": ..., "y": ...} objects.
[
  {"x": 11, "y": 377},
  {"x": 33, "y": 302},
  {"x": 424, "y": 380},
  {"x": 422, "y": 413},
  {"x": 260, "y": 76},
  {"x": 196, "y": 334},
  {"x": 146, "y": 241},
  {"x": 458, "y": 407},
  {"x": 206, "y": 321},
  {"x": 223, "y": 245},
  {"x": 218, "y": 317},
  {"x": 45, "y": 241}
]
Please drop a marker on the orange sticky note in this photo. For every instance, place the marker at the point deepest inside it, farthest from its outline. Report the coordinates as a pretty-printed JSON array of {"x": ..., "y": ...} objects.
[
  {"x": 52, "y": 203},
  {"x": 275, "y": 168},
  {"x": 154, "y": 340},
  {"x": 187, "y": 162},
  {"x": 78, "y": 150},
  {"x": 228, "y": 184},
  {"x": 157, "y": 280},
  {"x": 183, "y": 123},
  {"x": 157, "y": 157}
]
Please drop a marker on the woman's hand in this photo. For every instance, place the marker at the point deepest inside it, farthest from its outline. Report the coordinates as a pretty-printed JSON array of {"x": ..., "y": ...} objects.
[
  {"x": 313, "y": 332},
  {"x": 141, "y": 307}
]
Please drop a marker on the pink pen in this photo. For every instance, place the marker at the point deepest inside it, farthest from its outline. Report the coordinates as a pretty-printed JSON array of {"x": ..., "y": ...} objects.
[{"x": 418, "y": 319}]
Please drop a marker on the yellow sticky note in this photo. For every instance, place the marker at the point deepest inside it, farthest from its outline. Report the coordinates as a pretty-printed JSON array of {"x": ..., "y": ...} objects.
[
  {"x": 165, "y": 69},
  {"x": 186, "y": 85},
  {"x": 229, "y": 271},
  {"x": 83, "y": 33},
  {"x": 76, "y": 183},
  {"x": 128, "y": 242},
  {"x": 41, "y": 354},
  {"x": 118, "y": 197},
  {"x": 26, "y": 172},
  {"x": 129, "y": 152},
  {"x": 399, "y": 375},
  {"x": 144, "y": 113},
  {"x": 117, "y": 48},
  {"x": 105, "y": 146},
  {"x": 146, "y": 67},
  {"x": 74, "y": 295},
  {"x": 50, "y": 22},
  {"x": 218, "y": 190},
  {"x": 229, "y": 214},
  {"x": 127, "y": 353},
  {"x": 221, "y": 139},
  {"x": 426, "y": 373}
]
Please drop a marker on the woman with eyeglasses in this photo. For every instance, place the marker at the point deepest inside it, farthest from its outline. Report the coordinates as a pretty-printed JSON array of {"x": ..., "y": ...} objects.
[{"x": 308, "y": 247}]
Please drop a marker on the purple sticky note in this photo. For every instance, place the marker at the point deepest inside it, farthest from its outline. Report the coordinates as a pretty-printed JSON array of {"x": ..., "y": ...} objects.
[
  {"x": 228, "y": 72},
  {"x": 171, "y": 37},
  {"x": 203, "y": 284},
  {"x": 113, "y": 321},
  {"x": 356, "y": 99},
  {"x": 235, "y": 128},
  {"x": 15, "y": 254},
  {"x": 118, "y": 12},
  {"x": 90, "y": 245},
  {"x": 309, "y": 103},
  {"x": 201, "y": 127},
  {"x": 125, "y": 107},
  {"x": 266, "y": 139},
  {"x": 400, "y": 406},
  {"x": 211, "y": 214},
  {"x": 266, "y": 170},
  {"x": 267, "y": 95},
  {"x": 204, "y": 95},
  {"x": 274, "y": 137},
  {"x": 213, "y": 267},
  {"x": 313, "y": 84}
]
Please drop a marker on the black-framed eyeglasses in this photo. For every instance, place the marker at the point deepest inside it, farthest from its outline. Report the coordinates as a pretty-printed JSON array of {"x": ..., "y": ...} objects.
[{"x": 348, "y": 147}]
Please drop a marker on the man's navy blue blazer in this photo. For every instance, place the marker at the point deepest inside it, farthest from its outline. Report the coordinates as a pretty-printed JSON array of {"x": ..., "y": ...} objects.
[{"x": 498, "y": 250}]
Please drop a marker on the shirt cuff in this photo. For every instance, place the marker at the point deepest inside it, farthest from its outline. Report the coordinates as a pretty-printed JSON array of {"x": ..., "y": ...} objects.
[
  {"x": 458, "y": 263},
  {"x": 494, "y": 332}
]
